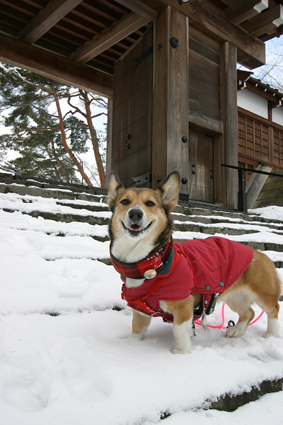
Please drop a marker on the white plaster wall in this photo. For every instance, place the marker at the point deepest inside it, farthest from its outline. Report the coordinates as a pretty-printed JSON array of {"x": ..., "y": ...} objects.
[
  {"x": 277, "y": 115},
  {"x": 252, "y": 102}
]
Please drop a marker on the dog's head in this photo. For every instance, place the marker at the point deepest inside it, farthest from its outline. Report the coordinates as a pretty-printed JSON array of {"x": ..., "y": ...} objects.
[{"x": 141, "y": 214}]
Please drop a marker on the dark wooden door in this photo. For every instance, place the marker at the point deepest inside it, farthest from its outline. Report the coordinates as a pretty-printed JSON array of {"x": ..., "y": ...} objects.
[
  {"x": 200, "y": 167},
  {"x": 131, "y": 144}
]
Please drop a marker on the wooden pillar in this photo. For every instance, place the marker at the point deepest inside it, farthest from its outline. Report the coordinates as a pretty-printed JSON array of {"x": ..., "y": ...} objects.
[
  {"x": 170, "y": 96},
  {"x": 109, "y": 138},
  {"x": 229, "y": 141}
]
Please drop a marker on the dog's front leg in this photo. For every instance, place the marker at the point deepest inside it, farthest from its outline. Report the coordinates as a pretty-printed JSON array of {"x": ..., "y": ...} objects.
[
  {"x": 140, "y": 324},
  {"x": 182, "y": 327}
]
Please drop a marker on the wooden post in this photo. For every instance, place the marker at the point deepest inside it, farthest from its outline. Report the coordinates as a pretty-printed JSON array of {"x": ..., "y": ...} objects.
[
  {"x": 170, "y": 96},
  {"x": 109, "y": 158},
  {"x": 242, "y": 196},
  {"x": 229, "y": 140}
]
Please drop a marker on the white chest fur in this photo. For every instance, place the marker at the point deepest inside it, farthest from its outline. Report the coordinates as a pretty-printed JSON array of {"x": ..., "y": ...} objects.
[
  {"x": 130, "y": 251},
  {"x": 133, "y": 283}
]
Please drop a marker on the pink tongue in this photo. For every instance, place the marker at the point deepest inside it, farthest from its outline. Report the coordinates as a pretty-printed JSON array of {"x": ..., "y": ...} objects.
[{"x": 135, "y": 227}]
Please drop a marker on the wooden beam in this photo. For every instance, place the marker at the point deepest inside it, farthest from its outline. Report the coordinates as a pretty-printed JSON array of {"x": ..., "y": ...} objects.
[
  {"x": 261, "y": 23},
  {"x": 23, "y": 55},
  {"x": 126, "y": 26},
  {"x": 208, "y": 124},
  {"x": 231, "y": 3},
  {"x": 46, "y": 19},
  {"x": 245, "y": 10},
  {"x": 139, "y": 8},
  {"x": 264, "y": 92},
  {"x": 210, "y": 20}
]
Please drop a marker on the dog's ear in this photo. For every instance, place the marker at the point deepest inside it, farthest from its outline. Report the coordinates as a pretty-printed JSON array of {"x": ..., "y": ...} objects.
[
  {"x": 169, "y": 189},
  {"x": 114, "y": 187}
]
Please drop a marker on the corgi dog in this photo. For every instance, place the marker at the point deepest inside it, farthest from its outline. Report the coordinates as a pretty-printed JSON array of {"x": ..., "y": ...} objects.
[{"x": 182, "y": 281}]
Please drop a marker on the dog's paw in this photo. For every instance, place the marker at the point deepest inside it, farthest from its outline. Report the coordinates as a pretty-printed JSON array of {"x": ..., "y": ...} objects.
[
  {"x": 132, "y": 336},
  {"x": 180, "y": 351},
  {"x": 272, "y": 329},
  {"x": 269, "y": 334},
  {"x": 235, "y": 331},
  {"x": 139, "y": 337}
]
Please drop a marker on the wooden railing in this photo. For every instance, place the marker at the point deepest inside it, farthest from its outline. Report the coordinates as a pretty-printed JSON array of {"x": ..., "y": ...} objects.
[{"x": 242, "y": 195}]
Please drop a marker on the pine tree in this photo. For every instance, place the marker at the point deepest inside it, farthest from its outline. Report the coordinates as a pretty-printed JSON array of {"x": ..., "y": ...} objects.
[
  {"x": 49, "y": 144},
  {"x": 86, "y": 99}
]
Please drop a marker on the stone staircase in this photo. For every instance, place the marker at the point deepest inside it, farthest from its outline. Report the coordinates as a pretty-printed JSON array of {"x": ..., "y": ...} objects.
[{"x": 72, "y": 203}]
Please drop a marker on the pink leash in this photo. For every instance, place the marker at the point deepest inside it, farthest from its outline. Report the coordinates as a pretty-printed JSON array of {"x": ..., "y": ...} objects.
[{"x": 198, "y": 322}]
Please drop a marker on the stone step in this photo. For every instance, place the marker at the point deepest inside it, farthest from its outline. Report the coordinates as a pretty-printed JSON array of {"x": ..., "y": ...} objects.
[
  {"x": 230, "y": 403},
  {"x": 192, "y": 227},
  {"x": 51, "y": 190},
  {"x": 64, "y": 218},
  {"x": 207, "y": 219},
  {"x": 86, "y": 206},
  {"x": 8, "y": 178},
  {"x": 222, "y": 230},
  {"x": 261, "y": 246},
  {"x": 210, "y": 214}
]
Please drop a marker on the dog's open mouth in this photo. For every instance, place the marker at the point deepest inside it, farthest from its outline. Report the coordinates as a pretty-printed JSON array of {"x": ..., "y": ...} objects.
[{"x": 135, "y": 229}]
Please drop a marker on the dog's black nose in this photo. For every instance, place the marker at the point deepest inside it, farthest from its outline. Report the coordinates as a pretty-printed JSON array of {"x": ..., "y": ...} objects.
[{"x": 135, "y": 215}]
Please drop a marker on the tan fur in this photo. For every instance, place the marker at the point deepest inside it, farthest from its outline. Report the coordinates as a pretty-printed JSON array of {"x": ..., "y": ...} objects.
[
  {"x": 259, "y": 283},
  {"x": 261, "y": 280},
  {"x": 139, "y": 197},
  {"x": 182, "y": 310},
  {"x": 140, "y": 323}
]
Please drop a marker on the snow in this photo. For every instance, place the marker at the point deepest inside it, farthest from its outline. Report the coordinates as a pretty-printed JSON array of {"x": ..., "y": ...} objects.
[
  {"x": 31, "y": 203},
  {"x": 64, "y": 353},
  {"x": 272, "y": 212}
]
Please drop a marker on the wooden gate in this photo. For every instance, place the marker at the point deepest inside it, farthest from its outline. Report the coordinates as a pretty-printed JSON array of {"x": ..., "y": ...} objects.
[
  {"x": 201, "y": 167},
  {"x": 131, "y": 144}
]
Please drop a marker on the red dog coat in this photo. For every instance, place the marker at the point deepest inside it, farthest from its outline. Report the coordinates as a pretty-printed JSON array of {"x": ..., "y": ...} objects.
[{"x": 207, "y": 267}]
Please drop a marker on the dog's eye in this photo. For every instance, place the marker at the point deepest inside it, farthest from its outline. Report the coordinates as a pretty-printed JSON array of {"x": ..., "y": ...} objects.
[
  {"x": 125, "y": 202},
  {"x": 150, "y": 204}
]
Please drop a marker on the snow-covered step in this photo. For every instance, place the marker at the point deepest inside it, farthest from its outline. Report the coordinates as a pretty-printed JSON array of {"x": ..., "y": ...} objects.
[
  {"x": 228, "y": 218},
  {"x": 213, "y": 229},
  {"x": 52, "y": 209},
  {"x": 45, "y": 189},
  {"x": 25, "y": 222},
  {"x": 223, "y": 228},
  {"x": 261, "y": 246},
  {"x": 209, "y": 215},
  {"x": 79, "y": 205},
  {"x": 66, "y": 217}
]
